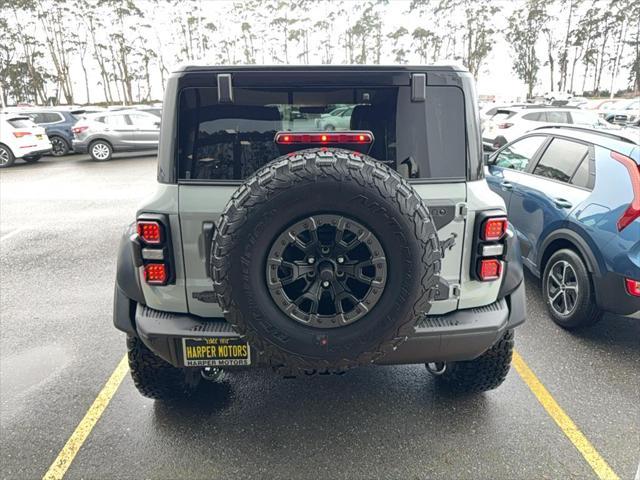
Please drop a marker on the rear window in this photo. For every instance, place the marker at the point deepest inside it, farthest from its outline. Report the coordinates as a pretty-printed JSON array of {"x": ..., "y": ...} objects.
[
  {"x": 20, "y": 123},
  {"x": 231, "y": 141}
]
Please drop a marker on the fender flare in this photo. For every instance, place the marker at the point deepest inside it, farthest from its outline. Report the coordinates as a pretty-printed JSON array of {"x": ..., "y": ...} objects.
[
  {"x": 128, "y": 291},
  {"x": 581, "y": 245}
]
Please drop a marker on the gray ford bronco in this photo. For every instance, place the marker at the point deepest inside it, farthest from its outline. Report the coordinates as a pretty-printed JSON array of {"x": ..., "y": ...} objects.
[{"x": 284, "y": 235}]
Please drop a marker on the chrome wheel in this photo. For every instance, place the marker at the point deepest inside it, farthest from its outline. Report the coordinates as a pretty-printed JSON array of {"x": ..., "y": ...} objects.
[
  {"x": 562, "y": 288},
  {"x": 326, "y": 271},
  {"x": 4, "y": 156},
  {"x": 100, "y": 151}
]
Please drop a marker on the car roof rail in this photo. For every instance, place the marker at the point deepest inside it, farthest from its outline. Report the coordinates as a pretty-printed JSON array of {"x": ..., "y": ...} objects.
[
  {"x": 589, "y": 130},
  {"x": 556, "y": 107}
]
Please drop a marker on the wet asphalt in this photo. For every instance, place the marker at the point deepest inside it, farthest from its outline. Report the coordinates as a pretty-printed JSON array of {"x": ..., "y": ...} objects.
[{"x": 60, "y": 223}]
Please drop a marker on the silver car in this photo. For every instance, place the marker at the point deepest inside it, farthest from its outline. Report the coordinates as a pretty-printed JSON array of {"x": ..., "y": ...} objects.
[{"x": 105, "y": 133}]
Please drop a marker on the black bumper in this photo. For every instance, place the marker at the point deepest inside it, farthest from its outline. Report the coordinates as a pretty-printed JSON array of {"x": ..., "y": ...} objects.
[{"x": 460, "y": 335}]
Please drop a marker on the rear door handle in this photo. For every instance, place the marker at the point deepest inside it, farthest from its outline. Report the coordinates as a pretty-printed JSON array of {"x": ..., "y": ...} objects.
[
  {"x": 562, "y": 203},
  {"x": 507, "y": 185}
]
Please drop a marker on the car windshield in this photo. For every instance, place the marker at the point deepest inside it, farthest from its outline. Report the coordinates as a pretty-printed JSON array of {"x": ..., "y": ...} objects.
[{"x": 230, "y": 141}]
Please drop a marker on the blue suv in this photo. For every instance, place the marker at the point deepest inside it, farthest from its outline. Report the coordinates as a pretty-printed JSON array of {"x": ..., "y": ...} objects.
[
  {"x": 573, "y": 196},
  {"x": 57, "y": 124}
]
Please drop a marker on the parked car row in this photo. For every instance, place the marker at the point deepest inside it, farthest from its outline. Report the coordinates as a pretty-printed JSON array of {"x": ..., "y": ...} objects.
[{"x": 99, "y": 132}]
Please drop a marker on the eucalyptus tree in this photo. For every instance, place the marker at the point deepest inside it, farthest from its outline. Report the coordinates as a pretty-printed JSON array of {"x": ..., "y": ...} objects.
[
  {"x": 399, "y": 51},
  {"x": 524, "y": 28}
]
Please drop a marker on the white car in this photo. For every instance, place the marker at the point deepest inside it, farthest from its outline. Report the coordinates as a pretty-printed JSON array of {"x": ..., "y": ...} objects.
[
  {"x": 621, "y": 112},
  {"x": 513, "y": 122},
  {"x": 21, "y": 138}
]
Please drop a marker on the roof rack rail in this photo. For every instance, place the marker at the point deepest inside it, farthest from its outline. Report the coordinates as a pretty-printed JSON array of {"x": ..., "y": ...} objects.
[
  {"x": 571, "y": 107},
  {"x": 589, "y": 130}
]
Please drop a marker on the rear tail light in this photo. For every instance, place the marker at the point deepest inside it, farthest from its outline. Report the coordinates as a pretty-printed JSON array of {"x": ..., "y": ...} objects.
[
  {"x": 489, "y": 269},
  {"x": 633, "y": 287},
  {"x": 155, "y": 273},
  {"x": 150, "y": 231},
  {"x": 21, "y": 134},
  {"x": 505, "y": 125},
  {"x": 79, "y": 129},
  {"x": 494, "y": 229},
  {"x": 285, "y": 138},
  {"x": 633, "y": 210}
]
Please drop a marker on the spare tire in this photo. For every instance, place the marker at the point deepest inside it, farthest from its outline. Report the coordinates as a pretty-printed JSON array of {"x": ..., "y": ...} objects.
[{"x": 324, "y": 259}]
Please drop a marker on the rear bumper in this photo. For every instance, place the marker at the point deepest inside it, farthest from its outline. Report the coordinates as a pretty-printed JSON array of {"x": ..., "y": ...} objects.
[
  {"x": 37, "y": 153},
  {"x": 460, "y": 335},
  {"x": 79, "y": 146},
  {"x": 612, "y": 296}
]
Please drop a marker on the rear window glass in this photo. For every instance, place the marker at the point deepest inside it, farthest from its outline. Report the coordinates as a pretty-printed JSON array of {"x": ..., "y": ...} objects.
[
  {"x": 231, "y": 141},
  {"x": 20, "y": 123}
]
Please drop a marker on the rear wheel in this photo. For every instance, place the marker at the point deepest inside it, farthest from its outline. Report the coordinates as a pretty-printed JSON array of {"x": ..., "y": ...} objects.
[
  {"x": 568, "y": 291},
  {"x": 157, "y": 379},
  {"x": 59, "y": 146},
  {"x": 6, "y": 157},
  {"x": 486, "y": 372},
  {"x": 100, "y": 151}
]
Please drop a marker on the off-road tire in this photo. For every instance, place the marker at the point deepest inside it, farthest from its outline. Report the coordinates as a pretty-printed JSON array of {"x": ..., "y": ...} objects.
[
  {"x": 586, "y": 311},
  {"x": 311, "y": 182},
  {"x": 108, "y": 149},
  {"x": 59, "y": 146},
  {"x": 484, "y": 373},
  {"x": 157, "y": 379},
  {"x": 7, "y": 154}
]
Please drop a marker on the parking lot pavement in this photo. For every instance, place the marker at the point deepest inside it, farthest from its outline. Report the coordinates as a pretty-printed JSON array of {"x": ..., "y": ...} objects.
[{"x": 60, "y": 222}]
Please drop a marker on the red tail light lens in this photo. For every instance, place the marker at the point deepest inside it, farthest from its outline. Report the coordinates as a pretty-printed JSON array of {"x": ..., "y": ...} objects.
[
  {"x": 633, "y": 287},
  {"x": 490, "y": 269},
  {"x": 79, "y": 129},
  {"x": 21, "y": 134},
  {"x": 494, "y": 229},
  {"x": 150, "y": 231},
  {"x": 633, "y": 210},
  {"x": 505, "y": 125},
  {"x": 155, "y": 273},
  {"x": 324, "y": 138}
]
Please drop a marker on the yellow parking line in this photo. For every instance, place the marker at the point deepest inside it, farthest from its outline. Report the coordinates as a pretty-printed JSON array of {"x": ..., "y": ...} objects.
[
  {"x": 60, "y": 465},
  {"x": 590, "y": 454}
]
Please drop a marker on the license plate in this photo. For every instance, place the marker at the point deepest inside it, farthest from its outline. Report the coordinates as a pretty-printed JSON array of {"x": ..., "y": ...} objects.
[
  {"x": 39, "y": 137},
  {"x": 215, "y": 352}
]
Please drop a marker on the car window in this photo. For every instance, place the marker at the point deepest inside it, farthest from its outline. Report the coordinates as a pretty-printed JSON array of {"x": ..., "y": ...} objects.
[
  {"x": 230, "y": 142},
  {"x": 518, "y": 155},
  {"x": 143, "y": 120},
  {"x": 561, "y": 159},
  {"x": 533, "y": 117},
  {"x": 116, "y": 120},
  {"x": 581, "y": 177},
  {"x": 580, "y": 117},
  {"x": 556, "y": 117},
  {"x": 20, "y": 123}
]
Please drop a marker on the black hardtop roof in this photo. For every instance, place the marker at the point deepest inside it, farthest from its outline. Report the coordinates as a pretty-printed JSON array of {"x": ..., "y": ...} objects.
[{"x": 321, "y": 68}]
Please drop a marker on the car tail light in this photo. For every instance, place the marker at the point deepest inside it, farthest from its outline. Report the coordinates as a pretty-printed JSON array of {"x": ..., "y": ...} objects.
[
  {"x": 285, "y": 138},
  {"x": 633, "y": 286},
  {"x": 489, "y": 269},
  {"x": 633, "y": 210},
  {"x": 21, "y": 134},
  {"x": 79, "y": 129},
  {"x": 494, "y": 229},
  {"x": 150, "y": 231},
  {"x": 505, "y": 125},
  {"x": 155, "y": 273}
]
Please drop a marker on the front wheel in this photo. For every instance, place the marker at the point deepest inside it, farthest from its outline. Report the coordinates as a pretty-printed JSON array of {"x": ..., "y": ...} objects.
[
  {"x": 59, "y": 146},
  {"x": 484, "y": 373},
  {"x": 157, "y": 379},
  {"x": 6, "y": 157},
  {"x": 568, "y": 292},
  {"x": 100, "y": 151}
]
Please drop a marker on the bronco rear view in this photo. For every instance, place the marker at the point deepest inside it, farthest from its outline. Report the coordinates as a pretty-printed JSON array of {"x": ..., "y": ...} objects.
[{"x": 318, "y": 219}]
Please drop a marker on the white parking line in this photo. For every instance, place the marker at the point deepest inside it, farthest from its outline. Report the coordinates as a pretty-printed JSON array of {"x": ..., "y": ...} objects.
[
  {"x": 12, "y": 233},
  {"x": 638, "y": 472}
]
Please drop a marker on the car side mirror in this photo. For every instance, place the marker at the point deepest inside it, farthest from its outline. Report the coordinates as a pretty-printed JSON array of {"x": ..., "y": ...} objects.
[
  {"x": 486, "y": 158},
  {"x": 157, "y": 124}
]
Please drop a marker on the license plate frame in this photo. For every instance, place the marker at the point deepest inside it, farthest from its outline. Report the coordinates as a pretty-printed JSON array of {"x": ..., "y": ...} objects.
[{"x": 215, "y": 351}]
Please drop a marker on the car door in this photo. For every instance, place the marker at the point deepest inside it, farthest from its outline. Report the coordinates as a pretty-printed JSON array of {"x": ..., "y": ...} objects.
[
  {"x": 544, "y": 197},
  {"x": 147, "y": 129},
  {"x": 505, "y": 167},
  {"x": 120, "y": 132}
]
